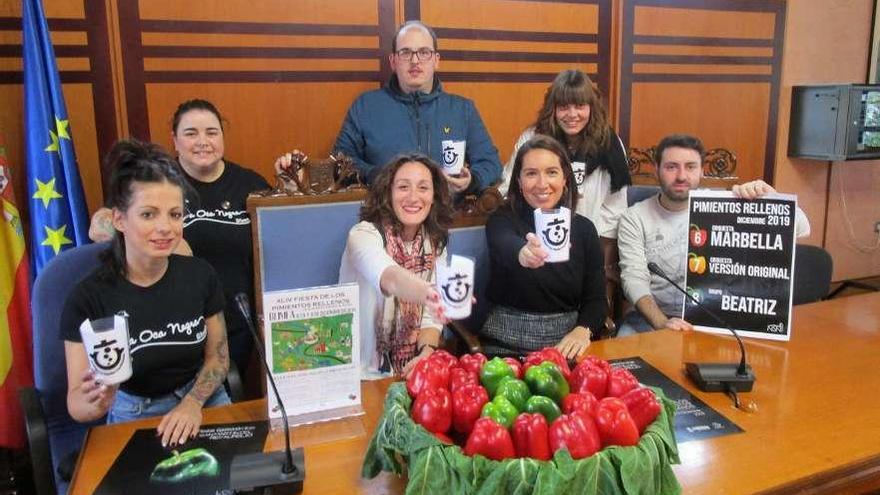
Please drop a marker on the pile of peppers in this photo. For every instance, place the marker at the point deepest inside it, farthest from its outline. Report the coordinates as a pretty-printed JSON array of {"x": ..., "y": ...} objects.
[{"x": 504, "y": 408}]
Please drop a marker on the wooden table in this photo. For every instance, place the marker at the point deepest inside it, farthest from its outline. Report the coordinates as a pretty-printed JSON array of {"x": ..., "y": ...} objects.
[{"x": 816, "y": 429}]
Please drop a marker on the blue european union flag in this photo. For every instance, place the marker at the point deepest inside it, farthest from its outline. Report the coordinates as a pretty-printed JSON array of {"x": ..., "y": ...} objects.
[{"x": 59, "y": 217}]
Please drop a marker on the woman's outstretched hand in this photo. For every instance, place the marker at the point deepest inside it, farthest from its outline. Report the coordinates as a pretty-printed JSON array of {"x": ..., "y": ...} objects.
[{"x": 532, "y": 255}]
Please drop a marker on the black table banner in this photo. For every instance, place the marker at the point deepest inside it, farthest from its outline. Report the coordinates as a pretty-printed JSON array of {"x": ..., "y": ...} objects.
[
  {"x": 694, "y": 420},
  {"x": 200, "y": 466}
]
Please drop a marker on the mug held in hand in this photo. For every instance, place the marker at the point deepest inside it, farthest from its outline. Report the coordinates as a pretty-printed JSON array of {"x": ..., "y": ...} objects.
[
  {"x": 455, "y": 283},
  {"x": 453, "y": 156},
  {"x": 553, "y": 228},
  {"x": 106, "y": 343}
]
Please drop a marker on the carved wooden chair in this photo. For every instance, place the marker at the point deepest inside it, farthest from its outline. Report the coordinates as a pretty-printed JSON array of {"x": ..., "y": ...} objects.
[{"x": 719, "y": 167}]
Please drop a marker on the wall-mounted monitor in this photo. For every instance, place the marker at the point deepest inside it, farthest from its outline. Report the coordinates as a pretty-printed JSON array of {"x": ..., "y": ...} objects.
[{"x": 839, "y": 122}]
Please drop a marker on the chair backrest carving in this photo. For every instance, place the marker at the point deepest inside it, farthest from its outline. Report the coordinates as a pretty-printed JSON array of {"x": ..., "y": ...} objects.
[
  {"x": 337, "y": 174},
  {"x": 719, "y": 166}
]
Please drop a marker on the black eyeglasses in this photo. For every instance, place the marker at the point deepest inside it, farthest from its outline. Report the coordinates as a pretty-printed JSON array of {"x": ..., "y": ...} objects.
[{"x": 423, "y": 54}]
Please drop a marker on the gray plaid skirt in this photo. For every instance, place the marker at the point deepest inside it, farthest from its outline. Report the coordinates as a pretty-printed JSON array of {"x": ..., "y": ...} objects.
[{"x": 513, "y": 331}]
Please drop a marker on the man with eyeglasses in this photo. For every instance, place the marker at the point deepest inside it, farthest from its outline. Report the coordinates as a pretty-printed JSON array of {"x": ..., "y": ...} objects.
[{"x": 412, "y": 113}]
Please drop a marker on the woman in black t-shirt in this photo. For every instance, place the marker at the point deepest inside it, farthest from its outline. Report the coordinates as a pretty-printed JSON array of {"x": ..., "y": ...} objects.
[
  {"x": 216, "y": 224},
  {"x": 173, "y": 304}
]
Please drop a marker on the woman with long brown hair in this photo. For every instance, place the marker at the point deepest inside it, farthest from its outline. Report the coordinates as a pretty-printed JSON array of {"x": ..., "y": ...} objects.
[
  {"x": 536, "y": 304},
  {"x": 574, "y": 115},
  {"x": 392, "y": 254}
]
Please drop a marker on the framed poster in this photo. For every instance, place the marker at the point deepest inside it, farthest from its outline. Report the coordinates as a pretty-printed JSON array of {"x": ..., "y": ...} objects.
[{"x": 740, "y": 263}]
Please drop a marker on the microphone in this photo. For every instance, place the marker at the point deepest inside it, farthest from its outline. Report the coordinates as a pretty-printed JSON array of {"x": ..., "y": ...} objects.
[
  {"x": 714, "y": 377},
  {"x": 272, "y": 472}
]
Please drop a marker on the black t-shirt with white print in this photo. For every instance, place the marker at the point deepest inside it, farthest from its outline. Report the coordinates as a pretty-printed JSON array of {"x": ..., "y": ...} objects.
[
  {"x": 218, "y": 229},
  {"x": 166, "y": 321}
]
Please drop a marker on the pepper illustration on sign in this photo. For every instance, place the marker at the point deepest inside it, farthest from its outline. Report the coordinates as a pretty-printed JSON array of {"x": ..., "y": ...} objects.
[
  {"x": 697, "y": 236},
  {"x": 696, "y": 264},
  {"x": 556, "y": 233},
  {"x": 186, "y": 466}
]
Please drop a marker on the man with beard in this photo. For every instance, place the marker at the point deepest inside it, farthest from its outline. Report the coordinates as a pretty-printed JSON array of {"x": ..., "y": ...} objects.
[{"x": 655, "y": 230}]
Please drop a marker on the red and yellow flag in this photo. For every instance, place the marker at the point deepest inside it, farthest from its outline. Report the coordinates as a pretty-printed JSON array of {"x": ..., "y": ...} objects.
[{"x": 16, "y": 368}]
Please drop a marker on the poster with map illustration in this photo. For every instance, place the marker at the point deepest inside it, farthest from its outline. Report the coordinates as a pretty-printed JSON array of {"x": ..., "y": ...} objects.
[{"x": 311, "y": 338}]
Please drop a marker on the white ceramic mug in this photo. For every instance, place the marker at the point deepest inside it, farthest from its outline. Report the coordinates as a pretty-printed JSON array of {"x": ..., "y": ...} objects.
[
  {"x": 455, "y": 283},
  {"x": 553, "y": 228},
  {"x": 106, "y": 343},
  {"x": 453, "y": 156}
]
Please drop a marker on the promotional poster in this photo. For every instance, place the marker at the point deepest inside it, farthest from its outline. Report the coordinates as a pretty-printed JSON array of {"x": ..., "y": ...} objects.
[
  {"x": 740, "y": 263},
  {"x": 198, "y": 467},
  {"x": 312, "y": 342}
]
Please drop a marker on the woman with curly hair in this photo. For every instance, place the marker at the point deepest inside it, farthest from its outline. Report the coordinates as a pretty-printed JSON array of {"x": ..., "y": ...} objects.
[{"x": 392, "y": 254}]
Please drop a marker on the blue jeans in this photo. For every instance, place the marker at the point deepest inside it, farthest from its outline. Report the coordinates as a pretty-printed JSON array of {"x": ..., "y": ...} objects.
[
  {"x": 633, "y": 323},
  {"x": 129, "y": 407}
]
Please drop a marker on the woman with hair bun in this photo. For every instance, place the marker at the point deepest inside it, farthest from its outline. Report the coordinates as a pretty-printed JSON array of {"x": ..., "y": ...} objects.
[
  {"x": 216, "y": 224},
  {"x": 173, "y": 305}
]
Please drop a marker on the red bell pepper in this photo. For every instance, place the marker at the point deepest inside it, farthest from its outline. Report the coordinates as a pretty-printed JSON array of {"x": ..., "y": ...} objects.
[
  {"x": 472, "y": 362},
  {"x": 596, "y": 361},
  {"x": 433, "y": 410},
  {"x": 531, "y": 436},
  {"x": 459, "y": 377},
  {"x": 589, "y": 378},
  {"x": 467, "y": 405},
  {"x": 582, "y": 401},
  {"x": 616, "y": 426},
  {"x": 490, "y": 440},
  {"x": 697, "y": 236},
  {"x": 427, "y": 375},
  {"x": 444, "y": 358},
  {"x": 551, "y": 354},
  {"x": 643, "y": 406},
  {"x": 516, "y": 365},
  {"x": 576, "y": 432},
  {"x": 620, "y": 381}
]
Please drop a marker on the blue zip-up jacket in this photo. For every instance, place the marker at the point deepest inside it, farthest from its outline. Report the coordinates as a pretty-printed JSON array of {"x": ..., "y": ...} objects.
[{"x": 386, "y": 122}]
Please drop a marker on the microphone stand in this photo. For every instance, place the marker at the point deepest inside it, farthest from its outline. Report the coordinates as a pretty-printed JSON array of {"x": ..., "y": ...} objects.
[
  {"x": 272, "y": 472},
  {"x": 714, "y": 377}
]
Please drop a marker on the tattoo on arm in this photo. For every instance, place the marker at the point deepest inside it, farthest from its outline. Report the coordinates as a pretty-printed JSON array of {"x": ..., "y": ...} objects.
[
  {"x": 214, "y": 370},
  {"x": 107, "y": 225}
]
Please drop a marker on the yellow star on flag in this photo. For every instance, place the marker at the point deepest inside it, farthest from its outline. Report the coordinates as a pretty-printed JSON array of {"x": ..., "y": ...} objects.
[
  {"x": 46, "y": 192},
  {"x": 55, "y": 238},
  {"x": 61, "y": 127},
  {"x": 53, "y": 146}
]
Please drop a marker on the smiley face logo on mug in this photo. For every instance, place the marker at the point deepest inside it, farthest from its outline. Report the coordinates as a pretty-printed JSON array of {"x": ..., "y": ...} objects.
[{"x": 556, "y": 234}]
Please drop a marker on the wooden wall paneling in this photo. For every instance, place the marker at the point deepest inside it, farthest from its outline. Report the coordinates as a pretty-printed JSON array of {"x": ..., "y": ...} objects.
[
  {"x": 829, "y": 43},
  {"x": 504, "y": 53},
  {"x": 79, "y": 36},
  {"x": 282, "y": 74},
  {"x": 705, "y": 67},
  {"x": 853, "y": 209}
]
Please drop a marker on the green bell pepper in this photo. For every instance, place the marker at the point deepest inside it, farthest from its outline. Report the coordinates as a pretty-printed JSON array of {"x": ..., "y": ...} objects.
[
  {"x": 543, "y": 406},
  {"x": 501, "y": 411},
  {"x": 493, "y": 372},
  {"x": 185, "y": 466},
  {"x": 546, "y": 379},
  {"x": 516, "y": 391}
]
